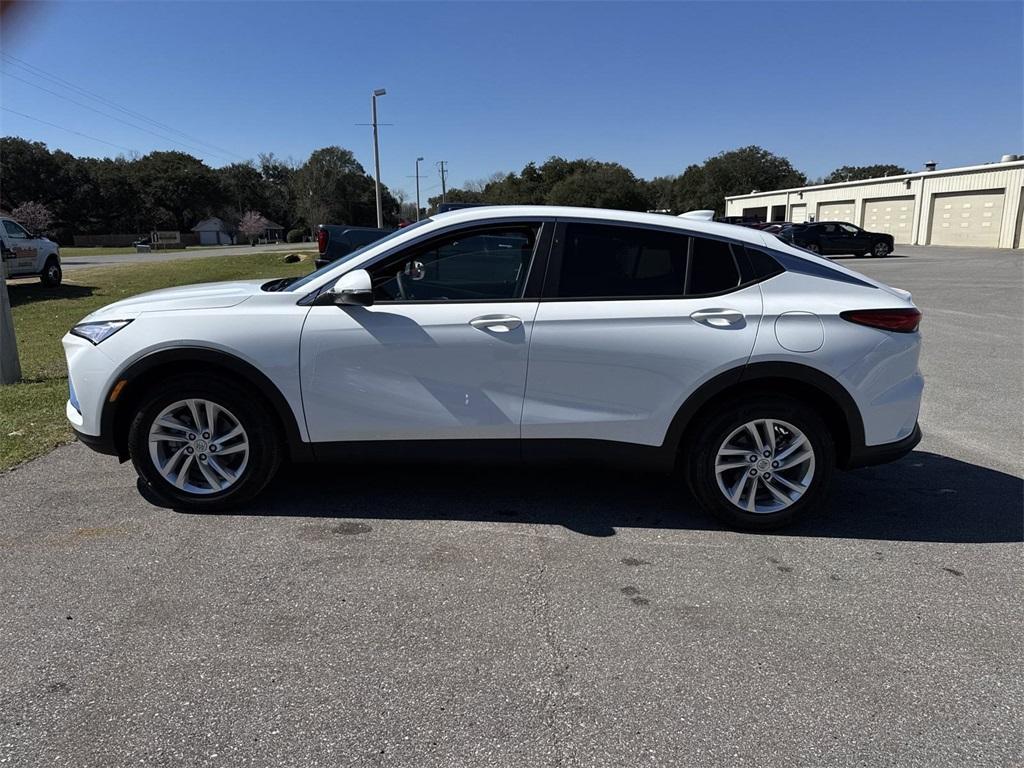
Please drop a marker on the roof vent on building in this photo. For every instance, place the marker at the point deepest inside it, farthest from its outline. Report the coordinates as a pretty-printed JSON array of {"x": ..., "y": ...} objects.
[
  {"x": 930, "y": 166},
  {"x": 1009, "y": 158}
]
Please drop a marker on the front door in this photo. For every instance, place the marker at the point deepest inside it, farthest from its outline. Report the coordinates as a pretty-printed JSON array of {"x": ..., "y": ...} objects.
[
  {"x": 23, "y": 250},
  {"x": 631, "y": 322},
  {"x": 855, "y": 239},
  {"x": 441, "y": 353}
]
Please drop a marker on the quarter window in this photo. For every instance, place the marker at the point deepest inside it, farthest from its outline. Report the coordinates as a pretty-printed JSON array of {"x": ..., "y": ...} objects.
[
  {"x": 472, "y": 265},
  {"x": 712, "y": 268}
]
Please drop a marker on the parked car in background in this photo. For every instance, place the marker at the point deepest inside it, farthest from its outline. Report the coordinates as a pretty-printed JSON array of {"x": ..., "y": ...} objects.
[
  {"x": 649, "y": 340},
  {"x": 26, "y": 254},
  {"x": 333, "y": 241},
  {"x": 772, "y": 227},
  {"x": 835, "y": 237}
]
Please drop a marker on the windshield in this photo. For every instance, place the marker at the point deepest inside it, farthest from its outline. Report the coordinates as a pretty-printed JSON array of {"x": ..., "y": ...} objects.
[{"x": 298, "y": 285}]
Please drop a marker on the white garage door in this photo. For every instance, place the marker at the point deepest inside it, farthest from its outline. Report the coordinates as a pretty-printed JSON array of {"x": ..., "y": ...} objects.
[
  {"x": 894, "y": 215},
  {"x": 972, "y": 219},
  {"x": 798, "y": 213},
  {"x": 836, "y": 211}
]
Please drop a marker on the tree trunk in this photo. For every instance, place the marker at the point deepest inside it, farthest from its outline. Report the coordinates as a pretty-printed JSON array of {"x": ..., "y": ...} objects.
[{"x": 10, "y": 366}]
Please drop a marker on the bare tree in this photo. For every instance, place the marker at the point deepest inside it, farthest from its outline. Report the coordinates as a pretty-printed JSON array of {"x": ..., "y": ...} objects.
[
  {"x": 252, "y": 225},
  {"x": 34, "y": 216}
]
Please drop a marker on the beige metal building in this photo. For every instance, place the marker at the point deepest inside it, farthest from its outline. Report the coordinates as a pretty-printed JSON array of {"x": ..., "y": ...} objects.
[{"x": 979, "y": 205}]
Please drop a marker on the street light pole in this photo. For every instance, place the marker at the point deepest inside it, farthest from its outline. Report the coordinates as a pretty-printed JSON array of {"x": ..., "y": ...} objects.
[
  {"x": 376, "y": 159},
  {"x": 418, "y": 161}
]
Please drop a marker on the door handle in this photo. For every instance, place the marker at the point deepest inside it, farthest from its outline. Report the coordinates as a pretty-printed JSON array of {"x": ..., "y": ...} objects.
[
  {"x": 719, "y": 318},
  {"x": 496, "y": 323}
]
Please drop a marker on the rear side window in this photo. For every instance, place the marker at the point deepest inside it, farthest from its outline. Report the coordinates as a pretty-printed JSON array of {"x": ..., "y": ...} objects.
[
  {"x": 712, "y": 268},
  {"x": 607, "y": 261}
]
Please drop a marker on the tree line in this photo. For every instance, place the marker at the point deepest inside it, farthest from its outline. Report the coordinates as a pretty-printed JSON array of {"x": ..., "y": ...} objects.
[
  {"x": 174, "y": 190},
  {"x": 703, "y": 186}
]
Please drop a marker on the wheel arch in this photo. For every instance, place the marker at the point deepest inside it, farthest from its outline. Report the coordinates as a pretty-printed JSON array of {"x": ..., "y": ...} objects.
[
  {"x": 116, "y": 417},
  {"x": 828, "y": 397}
]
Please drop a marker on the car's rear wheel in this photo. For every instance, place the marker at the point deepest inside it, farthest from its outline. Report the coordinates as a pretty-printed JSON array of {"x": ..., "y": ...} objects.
[
  {"x": 881, "y": 249},
  {"x": 761, "y": 462},
  {"x": 204, "y": 443},
  {"x": 52, "y": 274},
  {"x": 814, "y": 248}
]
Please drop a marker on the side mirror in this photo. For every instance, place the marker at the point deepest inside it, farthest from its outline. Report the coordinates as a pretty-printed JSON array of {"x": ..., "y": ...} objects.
[{"x": 353, "y": 288}]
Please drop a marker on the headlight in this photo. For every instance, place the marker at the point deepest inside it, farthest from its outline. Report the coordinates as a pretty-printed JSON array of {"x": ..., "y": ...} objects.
[{"x": 97, "y": 332}]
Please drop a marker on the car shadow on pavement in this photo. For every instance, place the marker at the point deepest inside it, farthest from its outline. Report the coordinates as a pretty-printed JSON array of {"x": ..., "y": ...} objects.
[{"x": 923, "y": 497}]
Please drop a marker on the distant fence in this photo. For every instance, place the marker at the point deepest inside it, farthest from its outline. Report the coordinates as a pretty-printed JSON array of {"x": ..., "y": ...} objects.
[{"x": 120, "y": 241}]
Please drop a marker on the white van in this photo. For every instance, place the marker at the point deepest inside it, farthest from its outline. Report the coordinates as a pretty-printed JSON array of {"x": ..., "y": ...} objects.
[{"x": 27, "y": 254}]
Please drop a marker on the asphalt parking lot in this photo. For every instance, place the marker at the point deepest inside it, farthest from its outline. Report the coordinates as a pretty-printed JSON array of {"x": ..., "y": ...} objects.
[{"x": 413, "y": 617}]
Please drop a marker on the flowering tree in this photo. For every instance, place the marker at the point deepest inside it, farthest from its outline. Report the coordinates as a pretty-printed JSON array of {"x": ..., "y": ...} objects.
[
  {"x": 35, "y": 217},
  {"x": 252, "y": 225}
]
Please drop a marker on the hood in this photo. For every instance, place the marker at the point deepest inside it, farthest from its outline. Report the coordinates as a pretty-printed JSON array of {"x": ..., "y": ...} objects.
[{"x": 202, "y": 296}]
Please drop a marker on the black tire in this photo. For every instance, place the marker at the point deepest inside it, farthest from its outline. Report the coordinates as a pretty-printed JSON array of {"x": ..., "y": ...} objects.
[
  {"x": 52, "y": 274},
  {"x": 712, "y": 432},
  {"x": 245, "y": 405},
  {"x": 880, "y": 249}
]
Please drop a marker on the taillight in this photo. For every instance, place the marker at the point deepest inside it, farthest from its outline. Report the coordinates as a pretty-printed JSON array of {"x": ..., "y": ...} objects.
[
  {"x": 321, "y": 240},
  {"x": 897, "y": 320}
]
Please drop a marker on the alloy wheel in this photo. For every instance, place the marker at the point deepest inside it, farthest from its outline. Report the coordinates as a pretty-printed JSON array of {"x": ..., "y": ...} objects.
[
  {"x": 765, "y": 466},
  {"x": 198, "y": 446}
]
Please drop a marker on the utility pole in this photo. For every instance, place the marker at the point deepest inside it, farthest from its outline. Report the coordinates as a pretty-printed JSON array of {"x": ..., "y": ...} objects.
[
  {"x": 418, "y": 161},
  {"x": 10, "y": 366},
  {"x": 376, "y": 159},
  {"x": 444, "y": 193}
]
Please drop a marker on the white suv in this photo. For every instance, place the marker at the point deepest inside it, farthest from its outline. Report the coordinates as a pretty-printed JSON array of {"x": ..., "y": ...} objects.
[
  {"x": 26, "y": 254},
  {"x": 517, "y": 333}
]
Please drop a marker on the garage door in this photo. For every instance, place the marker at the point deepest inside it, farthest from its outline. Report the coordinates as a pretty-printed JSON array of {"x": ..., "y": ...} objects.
[
  {"x": 836, "y": 211},
  {"x": 972, "y": 219},
  {"x": 798, "y": 213},
  {"x": 894, "y": 215}
]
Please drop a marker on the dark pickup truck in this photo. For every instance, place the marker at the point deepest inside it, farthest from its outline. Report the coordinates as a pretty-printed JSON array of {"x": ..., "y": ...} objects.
[{"x": 336, "y": 240}]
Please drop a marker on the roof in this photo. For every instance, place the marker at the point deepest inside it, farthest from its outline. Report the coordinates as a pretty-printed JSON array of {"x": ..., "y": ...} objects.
[
  {"x": 884, "y": 179},
  {"x": 626, "y": 217},
  {"x": 271, "y": 225},
  {"x": 212, "y": 224}
]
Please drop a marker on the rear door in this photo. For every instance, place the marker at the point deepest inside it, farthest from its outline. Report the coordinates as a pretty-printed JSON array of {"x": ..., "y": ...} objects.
[
  {"x": 631, "y": 321},
  {"x": 442, "y": 352}
]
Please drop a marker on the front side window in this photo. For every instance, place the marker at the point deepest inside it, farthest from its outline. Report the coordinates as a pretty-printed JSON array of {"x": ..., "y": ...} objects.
[
  {"x": 608, "y": 261},
  {"x": 15, "y": 230},
  {"x": 849, "y": 229},
  {"x": 483, "y": 264}
]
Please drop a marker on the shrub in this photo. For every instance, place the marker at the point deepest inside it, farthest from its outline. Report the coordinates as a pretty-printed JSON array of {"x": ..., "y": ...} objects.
[{"x": 296, "y": 235}]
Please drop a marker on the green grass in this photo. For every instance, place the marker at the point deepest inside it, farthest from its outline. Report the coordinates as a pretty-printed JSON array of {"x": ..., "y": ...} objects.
[
  {"x": 32, "y": 418},
  {"x": 130, "y": 249}
]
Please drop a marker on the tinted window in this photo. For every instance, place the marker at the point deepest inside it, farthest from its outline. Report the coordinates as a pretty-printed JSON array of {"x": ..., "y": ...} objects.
[
  {"x": 467, "y": 266},
  {"x": 849, "y": 228},
  {"x": 762, "y": 264},
  {"x": 14, "y": 230},
  {"x": 829, "y": 229},
  {"x": 712, "y": 268},
  {"x": 601, "y": 260}
]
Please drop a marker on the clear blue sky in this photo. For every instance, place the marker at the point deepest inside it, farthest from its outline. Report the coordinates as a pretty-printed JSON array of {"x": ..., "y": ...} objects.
[{"x": 491, "y": 86}]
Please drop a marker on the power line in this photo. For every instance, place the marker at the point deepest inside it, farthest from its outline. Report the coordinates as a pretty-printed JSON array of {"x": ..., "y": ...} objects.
[
  {"x": 38, "y": 72},
  {"x": 113, "y": 117},
  {"x": 69, "y": 130}
]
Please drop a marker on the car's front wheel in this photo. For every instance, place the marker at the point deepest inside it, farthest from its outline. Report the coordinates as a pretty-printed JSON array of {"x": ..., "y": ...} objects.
[
  {"x": 881, "y": 249},
  {"x": 52, "y": 274},
  {"x": 204, "y": 443},
  {"x": 761, "y": 462}
]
